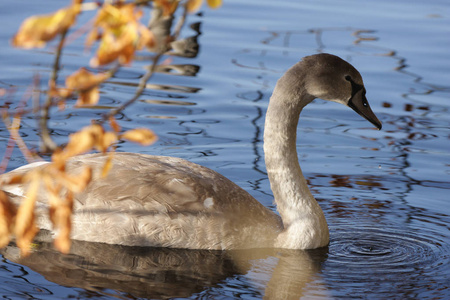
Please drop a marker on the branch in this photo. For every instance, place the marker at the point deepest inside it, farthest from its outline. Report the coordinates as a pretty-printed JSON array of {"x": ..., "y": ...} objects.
[{"x": 48, "y": 145}]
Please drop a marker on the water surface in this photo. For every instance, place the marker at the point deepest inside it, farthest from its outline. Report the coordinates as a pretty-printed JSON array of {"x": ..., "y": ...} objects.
[{"x": 384, "y": 193}]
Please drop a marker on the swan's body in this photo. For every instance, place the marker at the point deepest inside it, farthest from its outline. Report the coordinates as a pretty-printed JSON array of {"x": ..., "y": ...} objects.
[{"x": 163, "y": 201}]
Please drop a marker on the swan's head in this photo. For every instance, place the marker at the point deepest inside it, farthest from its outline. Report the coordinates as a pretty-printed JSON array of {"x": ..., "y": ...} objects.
[{"x": 332, "y": 78}]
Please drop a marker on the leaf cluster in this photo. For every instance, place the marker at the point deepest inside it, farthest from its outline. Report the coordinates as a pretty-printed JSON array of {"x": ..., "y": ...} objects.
[{"x": 117, "y": 33}]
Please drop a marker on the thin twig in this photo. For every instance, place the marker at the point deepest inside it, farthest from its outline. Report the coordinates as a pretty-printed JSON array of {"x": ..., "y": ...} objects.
[
  {"x": 140, "y": 89},
  {"x": 48, "y": 144},
  {"x": 13, "y": 128}
]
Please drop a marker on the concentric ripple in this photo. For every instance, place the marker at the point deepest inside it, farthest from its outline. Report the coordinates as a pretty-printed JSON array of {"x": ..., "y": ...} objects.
[{"x": 388, "y": 260}]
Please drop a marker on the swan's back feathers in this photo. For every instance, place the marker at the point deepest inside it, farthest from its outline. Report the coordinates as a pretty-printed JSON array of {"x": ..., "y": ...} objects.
[{"x": 169, "y": 202}]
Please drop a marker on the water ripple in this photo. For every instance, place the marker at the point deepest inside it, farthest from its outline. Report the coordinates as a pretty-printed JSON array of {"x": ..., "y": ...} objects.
[{"x": 389, "y": 258}]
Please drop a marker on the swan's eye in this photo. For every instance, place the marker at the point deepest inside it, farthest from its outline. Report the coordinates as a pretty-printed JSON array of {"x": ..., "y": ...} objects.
[{"x": 348, "y": 78}]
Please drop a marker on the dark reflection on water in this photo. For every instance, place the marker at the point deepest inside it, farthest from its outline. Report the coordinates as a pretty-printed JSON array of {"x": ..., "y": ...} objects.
[{"x": 130, "y": 272}]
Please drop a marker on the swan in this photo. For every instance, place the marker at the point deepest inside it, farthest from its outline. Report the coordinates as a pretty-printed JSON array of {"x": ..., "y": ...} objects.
[{"x": 169, "y": 202}]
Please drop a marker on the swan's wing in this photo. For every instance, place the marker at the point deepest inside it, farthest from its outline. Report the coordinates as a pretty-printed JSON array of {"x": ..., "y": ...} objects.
[{"x": 164, "y": 201}]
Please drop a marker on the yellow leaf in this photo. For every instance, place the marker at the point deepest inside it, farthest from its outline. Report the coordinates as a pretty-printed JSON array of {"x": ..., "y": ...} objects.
[
  {"x": 114, "y": 125},
  {"x": 214, "y": 3},
  {"x": 119, "y": 37},
  {"x": 142, "y": 136},
  {"x": 7, "y": 215},
  {"x": 146, "y": 38},
  {"x": 37, "y": 30},
  {"x": 107, "y": 140},
  {"x": 113, "y": 48},
  {"x": 63, "y": 222},
  {"x": 88, "y": 97},
  {"x": 79, "y": 143},
  {"x": 86, "y": 84},
  {"x": 25, "y": 227},
  {"x": 193, "y": 5},
  {"x": 108, "y": 164}
]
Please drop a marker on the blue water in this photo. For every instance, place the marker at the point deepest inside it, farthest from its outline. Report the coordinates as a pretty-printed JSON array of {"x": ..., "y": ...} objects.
[{"x": 384, "y": 193}]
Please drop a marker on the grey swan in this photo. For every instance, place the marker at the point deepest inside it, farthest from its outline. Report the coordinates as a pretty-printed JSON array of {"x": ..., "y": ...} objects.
[{"x": 169, "y": 202}]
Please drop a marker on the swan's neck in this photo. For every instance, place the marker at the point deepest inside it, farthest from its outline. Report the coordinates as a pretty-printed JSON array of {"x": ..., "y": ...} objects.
[{"x": 303, "y": 219}]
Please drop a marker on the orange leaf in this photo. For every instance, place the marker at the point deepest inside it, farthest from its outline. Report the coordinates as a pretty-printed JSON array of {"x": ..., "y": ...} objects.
[
  {"x": 14, "y": 179},
  {"x": 193, "y": 5},
  {"x": 120, "y": 36},
  {"x": 25, "y": 227},
  {"x": 108, "y": 164},
  {"x": 114, "y": 125},
  {"x": 63, "y": 222},
  {"x": 214, "y": 3},
  {"x": 7, "y": 215},
  {"x": 146, "y": 38},
  {"x": 113, "y": 48},
  {"x": 106, "y": 141},
  {"x": 142, "y": 136},
  {"x": 79, "y": 143},
  {"x": 37, "y": 30},
  {"x": 82, "y": 141},
  {"x": 86, "y": 83},
  {"x": 88, "y": 97}
]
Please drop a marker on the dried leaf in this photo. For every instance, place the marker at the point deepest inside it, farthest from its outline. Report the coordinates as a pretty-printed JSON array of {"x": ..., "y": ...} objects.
[
  {"x": 114, "y": 125},
  {"x": 214, "y": 3},
  {"x": 142, "y": 136},
  {"x": 25, "y": 228},
  {"x": 76, "y": 183},
  {"x": 7, "y": 215},
  {"x": 193, "y": 5},
  {"x": 107, "y": 140},
  {"x": 37, "y": 30},
  {"x": 120, "y": 36},
  {"x": 79, "y": 143},
  {"x": 146, "y": 38},
  {"x": 63, "y": 223},
  {"x": 108, "y": 164},
  {"x": 89, "y": 97},
  {"x": 86, "y": 84},
  {"x": 14, "y": 179},
  {"x": 83, "y": 141}
]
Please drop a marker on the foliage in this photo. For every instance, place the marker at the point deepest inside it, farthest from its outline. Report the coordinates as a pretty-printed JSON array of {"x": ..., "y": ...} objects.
[{"x": 118, "y": 34}]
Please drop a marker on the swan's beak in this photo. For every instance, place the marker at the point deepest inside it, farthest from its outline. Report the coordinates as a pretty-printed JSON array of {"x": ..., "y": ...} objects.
[{"x": 360, "y": 104}]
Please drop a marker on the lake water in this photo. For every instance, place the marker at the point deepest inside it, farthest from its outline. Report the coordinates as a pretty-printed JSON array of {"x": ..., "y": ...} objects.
[{"x": 385, "y": 193}]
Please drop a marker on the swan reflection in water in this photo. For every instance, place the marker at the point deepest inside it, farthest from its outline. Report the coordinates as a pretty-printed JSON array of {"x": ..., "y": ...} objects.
[{"x": 129, "y": 272}]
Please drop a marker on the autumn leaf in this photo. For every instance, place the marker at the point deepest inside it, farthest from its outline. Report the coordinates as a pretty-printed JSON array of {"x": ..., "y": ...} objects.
[
  {"x": 106, "y": 141},
  {"x": 62, "y": 221},
  {"x": 214, "y": 3},
  {"x": 25, "y": 228},
  {"x": 107, "y": 165},
  {"x": 193, "y": 5},
  {"x": 87, "y": 86},
  {"x": 114, "y": 125},
  {"x": 120, "y": 34},
  {"x": 146, "y": 38},
  {"x": 37, "y": 30},
  {"x": 142, "y": 136},
  {"x": 83, "y": 141},
  {"x": 7, "y": 215}
]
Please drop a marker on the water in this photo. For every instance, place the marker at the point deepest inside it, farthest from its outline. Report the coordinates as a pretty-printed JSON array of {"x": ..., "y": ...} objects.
[{"x": 384, "y": 193}]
